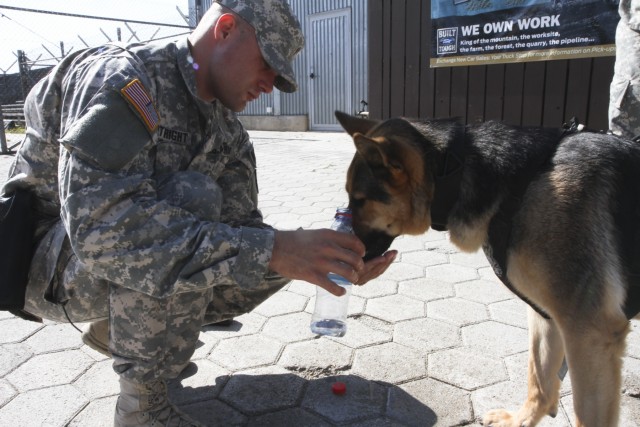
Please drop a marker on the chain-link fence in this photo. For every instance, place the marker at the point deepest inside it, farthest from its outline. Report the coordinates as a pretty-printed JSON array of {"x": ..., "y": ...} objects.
[{"x": 35, "y": 34}]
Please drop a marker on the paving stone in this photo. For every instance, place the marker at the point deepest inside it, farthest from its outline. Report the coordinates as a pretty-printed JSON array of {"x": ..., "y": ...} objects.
[
  {"x": 512, "y": 312},
  {"x": 290, "y": 327},
  {"x": 206, "y": 342},
  {"x": 405, "y": 244},
  {"x": 282, "y": 302},
  {"x": 201, "y": 380},
  {"x": 629, "y": 410},
  {"x": 452, "y": 273},
  {"x": 399, "y": 272},
  {"x": 510, "y": 396},
  {"x": 246, "y": 352},
  {"x": 28, "y": 408},
  {"x": 49, "y": 369},
  {"x": 16, "y": 330},
  {"x": 360, "y": 334},
  {"x": 309, "y": 358},
  {"x": 457, "y": 311},
  {"x": 287, "y": 417},
  {"x": 54, "y": 338},
  {"x": 99, "y": 381},
  {"x": 426, "y": 289},
  {"x": 246, "y": 324},
  {"x": 633, "y": 340},
  {"x": 428, "y": 402},
  {"x": 6, "y": 392},
  {"x": 378, "y": 422},
  {"x": 98, "y": 413},
  {"x": 487, "y": 273},
  {"x": 376, "y": 288},
  {"x": 483, "y": 291},
  {"x": 517, "y": 368},
  {"x": 362, "y": 399},
  {"x": 424, "y": 258},
  {"x": 426, "y": 335},
  {"x": 631, "y": 377},
  {"x": 394, "y": 308},
  {"x": 389, "y": 362},
  {"x": 215, "y": 414},
  {"x": 470, "y": 259},
  {"x": 496, "y": 338},
  {"x": 466, "y": 368},
  {"x": 301, "y": 287},
  {"x": 12, "y": 356},
  {"x": 263, "y": 390}
]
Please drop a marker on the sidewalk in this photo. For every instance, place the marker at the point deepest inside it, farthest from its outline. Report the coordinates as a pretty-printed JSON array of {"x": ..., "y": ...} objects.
[{"x": 437, "y": 340}]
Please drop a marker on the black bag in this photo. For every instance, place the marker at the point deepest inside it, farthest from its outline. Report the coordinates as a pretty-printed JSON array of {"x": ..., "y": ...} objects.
[{"x": 17, "y": 228}]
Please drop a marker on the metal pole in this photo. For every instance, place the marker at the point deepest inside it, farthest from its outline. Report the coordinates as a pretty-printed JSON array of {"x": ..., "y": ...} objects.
[
  {"x": 24, "y": 73},
  {"x": 3, "y": 137}
]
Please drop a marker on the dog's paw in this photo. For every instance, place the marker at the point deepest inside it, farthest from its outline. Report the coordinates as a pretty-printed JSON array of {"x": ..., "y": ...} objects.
[{"x": 501, "y": 418}]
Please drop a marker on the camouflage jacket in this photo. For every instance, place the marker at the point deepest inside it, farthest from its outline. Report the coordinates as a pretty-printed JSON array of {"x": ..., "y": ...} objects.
[{"x": 103, "y": 128}]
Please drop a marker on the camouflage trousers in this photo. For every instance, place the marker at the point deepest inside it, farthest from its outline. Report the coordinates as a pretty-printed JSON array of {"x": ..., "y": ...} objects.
[
  {"x": 149, "y": 337},
  {"x": 624, "y": 100}
]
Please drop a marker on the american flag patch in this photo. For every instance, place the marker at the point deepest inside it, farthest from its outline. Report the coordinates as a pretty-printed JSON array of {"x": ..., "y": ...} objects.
[{"x": 137, "y": 96}]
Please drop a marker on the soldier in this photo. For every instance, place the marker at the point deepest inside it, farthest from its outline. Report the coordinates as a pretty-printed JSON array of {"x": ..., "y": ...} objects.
[
  {"x": 624, "y": 101},
  {"x": 146, "y": 197}
]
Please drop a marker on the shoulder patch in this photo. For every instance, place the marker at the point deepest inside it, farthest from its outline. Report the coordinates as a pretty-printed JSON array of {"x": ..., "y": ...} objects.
[{"x": 137, "y": 96}]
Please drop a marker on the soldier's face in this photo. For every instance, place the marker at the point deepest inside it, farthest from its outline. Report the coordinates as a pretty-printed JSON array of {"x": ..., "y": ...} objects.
[{"x": 238, "y": 72}]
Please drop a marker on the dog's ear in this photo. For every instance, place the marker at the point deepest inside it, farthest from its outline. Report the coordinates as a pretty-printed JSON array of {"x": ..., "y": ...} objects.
[
  {"x": 353, "y": 124},
  {"x": 373, "y": 152}
]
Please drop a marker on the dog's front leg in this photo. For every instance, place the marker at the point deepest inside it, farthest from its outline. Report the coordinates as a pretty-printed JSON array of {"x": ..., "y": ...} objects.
[{"x": 546, "y": 353}]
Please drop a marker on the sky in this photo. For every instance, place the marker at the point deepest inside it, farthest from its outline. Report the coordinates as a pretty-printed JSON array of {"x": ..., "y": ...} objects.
[{"x": 39, "y": 35}]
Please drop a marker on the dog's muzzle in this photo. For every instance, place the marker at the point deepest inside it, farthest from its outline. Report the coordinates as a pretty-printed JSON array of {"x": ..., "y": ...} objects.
[{"x": 376, "y": 243}]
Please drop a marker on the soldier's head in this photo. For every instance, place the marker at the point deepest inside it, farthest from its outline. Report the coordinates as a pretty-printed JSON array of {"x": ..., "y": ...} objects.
[{"x": 244, "y": 48}]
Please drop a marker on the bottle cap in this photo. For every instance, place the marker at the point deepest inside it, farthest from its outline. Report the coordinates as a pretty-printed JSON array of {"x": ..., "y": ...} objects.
[
  {"x": 339, "y": 387},
  {"x": 343, "y": 212}
]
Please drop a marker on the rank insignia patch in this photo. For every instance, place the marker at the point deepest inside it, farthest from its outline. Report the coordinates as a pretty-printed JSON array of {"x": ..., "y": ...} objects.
[{"x": 138, "y": 97}]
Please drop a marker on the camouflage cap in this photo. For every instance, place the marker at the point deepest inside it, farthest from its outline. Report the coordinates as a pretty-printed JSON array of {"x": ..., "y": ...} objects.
[{"x": 278, "y": 32}]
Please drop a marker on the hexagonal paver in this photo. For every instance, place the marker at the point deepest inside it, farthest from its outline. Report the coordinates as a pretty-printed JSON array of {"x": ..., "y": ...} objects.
[
  {"x": 290, "y": 327},
  {"x": 6, "y": 392},
  {"x": 466, "y": 368},
  {"x": 246, "y": 352},
  {"x": 316, "y": 355},
  {"x": 16, "y": 329},
  {"x": 426, "y": 289},
  {"x": 512, "y": 312},
  {"x": 474, "y": 259},
  {"x": 487, "y": 273},
  {"x": 496, "y": 338},
  {"x": 359, "y": 334},
  {"x": 362, "y": 399},
  {"x": 282, "y": 302},
  {"x": 301, "y": 287},
  {"x": 50, "y": 369},
  {"x": 457, "y": 311},
  {"x": 517, "y": 368},
  {"x": 428, "y": 402},
  {"x": 99, "y": 381},
  {"x": 394, "y": 308},
  {"x": 633, "y": 340},
  {"x": 424, "y": 258},
  {"x": 201, "y": 380},
  {"x": 426, "y": 335},
  {"x": 54, "y": 338},
  {"x": 397, "y": 272},
  {"x": 261, "y": 390},
  {"x": 284, "y": 418},
  {"x": 98, "y": 413},
  {"x": 452, "y": 273},
  {"x": 408, "y": 243},
  {"x": 483, "y": 291},
  {"x": 215, "y": 413},
  {"x": 246, "y": 324},
  {"x": 389, "y": 362},
  {"x": 51, "y": 406},
  {"x": 376, "y": 288},
  {"x": 13, "y": 355}
]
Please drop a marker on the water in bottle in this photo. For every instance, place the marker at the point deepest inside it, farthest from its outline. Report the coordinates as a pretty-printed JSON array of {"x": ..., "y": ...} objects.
[{"x": 330, "y": 313}]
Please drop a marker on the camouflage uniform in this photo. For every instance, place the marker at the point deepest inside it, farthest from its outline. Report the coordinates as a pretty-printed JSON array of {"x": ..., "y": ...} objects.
[
  {"x": 146, "y": 201},
  {"x": 624, "y": 103}
]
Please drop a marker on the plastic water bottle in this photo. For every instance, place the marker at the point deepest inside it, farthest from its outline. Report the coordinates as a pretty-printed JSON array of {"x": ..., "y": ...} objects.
[{"x": 330, "y": 313}]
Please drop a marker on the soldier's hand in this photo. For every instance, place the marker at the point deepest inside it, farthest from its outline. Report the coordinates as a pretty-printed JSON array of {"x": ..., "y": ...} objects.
[
  {"x": 312, "y": 254},
  {"x": 375, "y": 267}
]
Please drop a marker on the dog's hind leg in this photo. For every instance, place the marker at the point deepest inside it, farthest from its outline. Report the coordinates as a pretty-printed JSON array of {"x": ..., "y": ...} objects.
[
  {"x": 545, "y": 360},
  {"x": 594, "y": 356}
]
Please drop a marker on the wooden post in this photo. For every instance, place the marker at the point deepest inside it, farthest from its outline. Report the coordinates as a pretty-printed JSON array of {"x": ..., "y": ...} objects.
[{"x": 3, "y": 137}]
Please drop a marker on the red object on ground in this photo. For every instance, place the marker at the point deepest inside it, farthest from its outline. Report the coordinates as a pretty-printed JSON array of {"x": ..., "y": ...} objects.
[{"x": 339, "y": 388}]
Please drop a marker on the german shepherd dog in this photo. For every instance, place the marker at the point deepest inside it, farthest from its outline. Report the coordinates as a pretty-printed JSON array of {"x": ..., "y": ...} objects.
[{"x": 557, "y": 212}]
